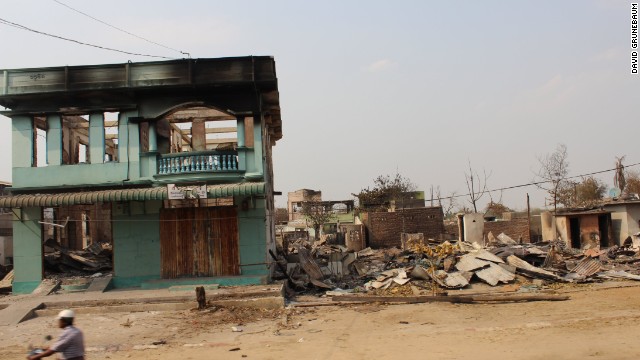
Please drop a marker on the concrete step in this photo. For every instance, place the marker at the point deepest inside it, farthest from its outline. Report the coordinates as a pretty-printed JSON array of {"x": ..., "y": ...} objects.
[
  {"x": 218, "y": 280},
  {"x": 100, "y": 284},
  {"x": 192, "y": 288}
]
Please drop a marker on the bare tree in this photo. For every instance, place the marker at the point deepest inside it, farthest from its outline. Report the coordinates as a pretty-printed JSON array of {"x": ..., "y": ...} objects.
[
  {"x": 447, "y": 203},
  {"x": 476, "y": 186},
  {"x": 552, "y": 175},
  {"x": 317, "y": 213},
  {"x": 618, "y": 180}
]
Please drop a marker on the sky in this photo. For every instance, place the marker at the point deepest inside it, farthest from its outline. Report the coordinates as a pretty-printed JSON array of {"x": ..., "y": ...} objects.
[{"x": 421, "y": 88}]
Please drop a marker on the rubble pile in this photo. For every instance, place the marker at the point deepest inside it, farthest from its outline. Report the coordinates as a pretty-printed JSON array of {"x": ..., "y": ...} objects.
[
  {"x": 424, "y": 267},
  {"x": 96, "y": 257}
]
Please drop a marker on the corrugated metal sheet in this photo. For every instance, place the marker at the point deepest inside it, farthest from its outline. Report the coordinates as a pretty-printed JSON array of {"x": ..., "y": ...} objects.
[
  {"x": 92, "y": 197},
  {"x": 495, "y": 274},
  {"x": 469, "y": 262},
  {"x": 587, "y": 267},
  {"x": 483, "y": 254}
]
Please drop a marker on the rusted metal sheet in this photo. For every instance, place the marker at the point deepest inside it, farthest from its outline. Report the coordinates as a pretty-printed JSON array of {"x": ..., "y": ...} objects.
[
  {"x": 587, "y": 267},
  {"x": 199, "y": 242}
]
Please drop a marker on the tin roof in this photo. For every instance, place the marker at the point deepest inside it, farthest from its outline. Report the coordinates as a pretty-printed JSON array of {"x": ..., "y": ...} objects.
[{"x": 91, "y": 197}]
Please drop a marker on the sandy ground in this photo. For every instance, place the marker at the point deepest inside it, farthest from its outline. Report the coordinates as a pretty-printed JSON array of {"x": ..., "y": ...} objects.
[{"x": 596, "y": 323}]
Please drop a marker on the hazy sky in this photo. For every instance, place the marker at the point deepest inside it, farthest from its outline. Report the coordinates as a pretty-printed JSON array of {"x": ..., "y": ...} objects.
[{"x": 371, "y": 87}]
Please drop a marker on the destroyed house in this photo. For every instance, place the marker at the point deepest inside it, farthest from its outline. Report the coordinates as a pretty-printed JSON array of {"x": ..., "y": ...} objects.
[
  {"x": 584, "y": 228},
  {"x": 167, "y": 163}
]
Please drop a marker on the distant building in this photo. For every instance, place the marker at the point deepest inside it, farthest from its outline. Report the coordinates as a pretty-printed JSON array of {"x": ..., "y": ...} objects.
[{"x": 296, "y": 199}]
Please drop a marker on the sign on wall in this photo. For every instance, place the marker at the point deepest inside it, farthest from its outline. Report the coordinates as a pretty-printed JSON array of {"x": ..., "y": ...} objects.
[{"x": 186, "y": 192}]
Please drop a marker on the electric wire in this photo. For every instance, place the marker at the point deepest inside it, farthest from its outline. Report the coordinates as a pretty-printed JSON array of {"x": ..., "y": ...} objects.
[
  {"x": 22, "y": 27},
  {"x": 121, "y": 30}
]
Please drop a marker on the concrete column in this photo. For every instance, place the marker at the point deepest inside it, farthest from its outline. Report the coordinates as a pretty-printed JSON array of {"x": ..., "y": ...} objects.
[
  {"x": 240, "y": 131},
  {"x": 257, "y": 141},
  {"x": 54, "y": 140},
  {"x": 153, "y": 137},
  {"x": 96, "y": 138},
  {"x": 27, "y": 250},
  {"x": 128, "y": 138},
  {"x": 22, "y": 141},
  {"x": 123, "y": 137}
]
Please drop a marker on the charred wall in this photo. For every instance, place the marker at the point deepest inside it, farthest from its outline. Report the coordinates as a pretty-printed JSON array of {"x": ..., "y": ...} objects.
[
  {"x": 384, "y": 228},
  {"x": 517, "y": 228}
]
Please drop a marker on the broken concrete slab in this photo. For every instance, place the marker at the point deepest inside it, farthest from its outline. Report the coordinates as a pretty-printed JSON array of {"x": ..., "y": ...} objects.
[
  {"x": 19, "y": 312},
  {"x": 46, "y": 287}
]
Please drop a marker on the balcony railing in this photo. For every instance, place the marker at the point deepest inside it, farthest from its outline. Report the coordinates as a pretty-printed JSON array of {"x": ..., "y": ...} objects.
[{"x": 194, "y": 162}]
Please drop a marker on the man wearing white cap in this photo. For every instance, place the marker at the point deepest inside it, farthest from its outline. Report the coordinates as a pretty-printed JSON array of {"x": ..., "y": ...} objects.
[{"x": 70, "y": 344}]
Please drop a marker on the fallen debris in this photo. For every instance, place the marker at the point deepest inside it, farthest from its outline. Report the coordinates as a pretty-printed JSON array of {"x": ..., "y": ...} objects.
[
  {"x": 424, "y": 267},
  {"x": 451, "y": 299}
]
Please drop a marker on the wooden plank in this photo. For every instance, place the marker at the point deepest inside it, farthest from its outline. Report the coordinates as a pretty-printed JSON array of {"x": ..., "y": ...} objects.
[
  {"x": 248, "y": 132},
  {"x": 222, "y": 141},
  {"x": 220, "y": 130},
  {"x": 179, "y": 131},
  {"x": 144, "y": 136}
]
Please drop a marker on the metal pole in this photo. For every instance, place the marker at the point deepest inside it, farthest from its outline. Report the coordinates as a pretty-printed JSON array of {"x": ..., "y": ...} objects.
[{"x": 529, "y": 217}]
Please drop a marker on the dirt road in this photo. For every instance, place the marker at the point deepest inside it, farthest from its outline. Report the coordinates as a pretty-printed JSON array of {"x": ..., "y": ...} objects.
[{"x": 595, "y": 324}]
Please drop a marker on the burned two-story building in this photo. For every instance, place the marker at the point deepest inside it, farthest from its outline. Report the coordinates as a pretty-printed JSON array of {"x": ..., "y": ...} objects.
[{"x": 169, "y": 162}]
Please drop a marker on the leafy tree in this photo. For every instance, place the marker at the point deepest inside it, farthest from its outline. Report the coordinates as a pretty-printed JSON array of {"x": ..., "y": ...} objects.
[
  {"x": 282, "y": 215},
  {"x": 496, "y": 208},
  {"x": 590, "y": 191},
  {"x": 317, "y": 213},
  {"x": 633, "y": 182},
  {"x": 552, "y": 175},
  {"x": 587, "y": 192},
  {"x": 387, "y": 190}
]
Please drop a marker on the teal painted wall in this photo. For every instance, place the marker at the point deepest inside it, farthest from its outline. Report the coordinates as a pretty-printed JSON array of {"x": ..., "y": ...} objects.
[
  {"x": 54, "y": 140},
  {"x": 136, "y": 243},
  {"x": 22, "y": 142},
  {"x": 27, "y": 250},
  {"x": 97, "y": 173},
  {"x": 252, "y": 232}
]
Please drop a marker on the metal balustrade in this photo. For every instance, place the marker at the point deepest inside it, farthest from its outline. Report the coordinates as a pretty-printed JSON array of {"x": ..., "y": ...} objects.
[{"x": 210, "y": 161}]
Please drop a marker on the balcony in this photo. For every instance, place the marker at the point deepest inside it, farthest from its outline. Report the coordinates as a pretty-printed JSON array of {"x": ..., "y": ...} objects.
[{"x": 198, "y": 162}]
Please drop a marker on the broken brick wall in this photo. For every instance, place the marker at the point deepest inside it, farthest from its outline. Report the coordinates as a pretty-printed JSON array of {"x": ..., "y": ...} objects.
[
  {"x": 384, "y": 228},
  {"x": 516, "y": 228}
]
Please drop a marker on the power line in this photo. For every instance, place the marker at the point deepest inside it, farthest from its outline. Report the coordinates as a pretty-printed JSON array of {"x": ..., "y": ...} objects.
[
  {"x": 119, "y": 29},
  {"x": 22, "y": 27},
  {"x": 538, "y": 182}
]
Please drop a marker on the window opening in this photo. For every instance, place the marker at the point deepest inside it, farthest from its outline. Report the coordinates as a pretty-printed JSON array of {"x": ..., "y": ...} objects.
[{"x": 111, "y": 136}]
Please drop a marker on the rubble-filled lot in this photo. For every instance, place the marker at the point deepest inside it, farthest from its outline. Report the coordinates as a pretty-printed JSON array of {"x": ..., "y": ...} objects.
[{"x": 424, "y": 268}]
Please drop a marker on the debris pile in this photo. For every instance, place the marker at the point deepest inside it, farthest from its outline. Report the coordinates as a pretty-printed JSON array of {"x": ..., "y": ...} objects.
[
  {"x": 426, "y": 268},
  {"x": 96, "y": 257}
]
